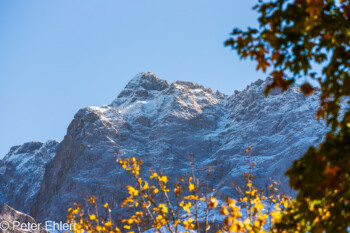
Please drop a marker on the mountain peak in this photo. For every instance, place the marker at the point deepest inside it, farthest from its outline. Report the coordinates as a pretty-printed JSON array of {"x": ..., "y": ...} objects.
[
  {"x": 161, "y": 124},
  {"x": 141, "y": 86},
  {"x": 147, "y": 81}
]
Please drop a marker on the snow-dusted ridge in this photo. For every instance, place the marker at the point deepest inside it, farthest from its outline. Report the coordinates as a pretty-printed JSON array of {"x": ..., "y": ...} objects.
[
  {"x": 22, "y": 172},
  {"x": 162, "y": 123}
]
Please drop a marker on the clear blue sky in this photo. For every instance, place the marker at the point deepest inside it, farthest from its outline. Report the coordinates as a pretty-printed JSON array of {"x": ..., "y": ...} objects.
[{"x": 59, "y": 56}]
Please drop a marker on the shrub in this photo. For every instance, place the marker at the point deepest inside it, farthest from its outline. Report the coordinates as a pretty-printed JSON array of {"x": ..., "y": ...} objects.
[{"x": 187, "y": 206}]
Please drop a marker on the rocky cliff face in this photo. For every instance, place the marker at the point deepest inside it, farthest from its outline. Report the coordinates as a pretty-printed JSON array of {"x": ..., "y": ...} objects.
[
  {"x": 22, "y": 172},
  {"x": 163, "y": 123}
]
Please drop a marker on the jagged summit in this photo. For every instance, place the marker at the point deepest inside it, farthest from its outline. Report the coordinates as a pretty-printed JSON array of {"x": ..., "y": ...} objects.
[
  {"x": 26, "y": 147},
  {"x": 33, "y": 147},
  {"x": 147, "y": 85},
  {"x": 143, "y": 85},
  {"x": 150, "y": 81},
  {"x": 147, "y": 81}
]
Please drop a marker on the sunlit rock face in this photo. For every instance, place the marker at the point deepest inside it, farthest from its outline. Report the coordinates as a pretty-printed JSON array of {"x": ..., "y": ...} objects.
[{"x": 162, "y": 124}]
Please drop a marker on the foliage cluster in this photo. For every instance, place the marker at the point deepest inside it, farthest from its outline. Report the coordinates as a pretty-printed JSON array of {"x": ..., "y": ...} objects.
[
  {"x": 156, "y": 205},
  {"x": 293, "y": 37}
]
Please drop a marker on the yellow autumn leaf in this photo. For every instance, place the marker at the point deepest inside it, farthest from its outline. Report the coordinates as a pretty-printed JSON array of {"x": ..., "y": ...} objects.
[
  {"x": 163, "y": 179},
  {"x": 154, "y": 175}
]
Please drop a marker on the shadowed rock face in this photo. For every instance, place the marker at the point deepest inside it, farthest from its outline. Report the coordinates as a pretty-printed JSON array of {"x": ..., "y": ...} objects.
[
  {"x": 162, "y": 124},
  {"x": 22, "y": 172},
  {"x": 9, "y": 216}
]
